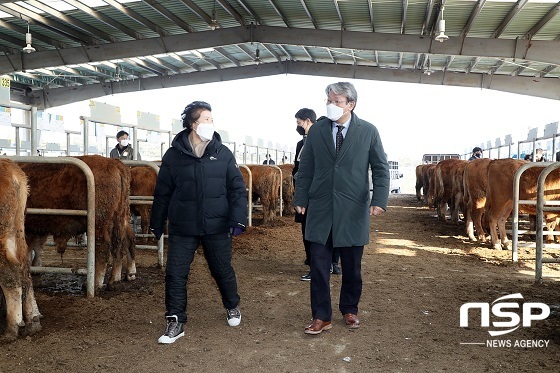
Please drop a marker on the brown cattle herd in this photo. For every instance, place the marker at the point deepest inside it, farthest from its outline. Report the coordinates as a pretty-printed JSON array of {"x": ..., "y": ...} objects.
[
  {"x": 63, "y": 186},
  {"x": 482, "y": 190}
]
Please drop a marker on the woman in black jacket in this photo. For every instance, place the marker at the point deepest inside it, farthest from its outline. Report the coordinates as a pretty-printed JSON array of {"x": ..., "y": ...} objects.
[{"x": 201, "y": 194}]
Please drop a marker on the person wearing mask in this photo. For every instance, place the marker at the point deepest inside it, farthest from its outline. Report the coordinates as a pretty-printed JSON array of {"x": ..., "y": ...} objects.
[
  {"x": 305, "y": 118},
  {"x": 201, "y": 194},
  {"x": 268, "y": 160},
  {"x": 123, "y": 150},
  {"x": 476, "y": 153},
  {"x": 332, "y": 189}
]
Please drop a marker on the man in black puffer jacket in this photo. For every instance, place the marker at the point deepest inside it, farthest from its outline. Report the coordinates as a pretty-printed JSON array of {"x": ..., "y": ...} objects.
[{"x": 202, "y": 195}]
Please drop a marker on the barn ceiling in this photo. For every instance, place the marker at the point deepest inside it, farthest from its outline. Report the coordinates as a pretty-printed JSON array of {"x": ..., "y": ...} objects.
[{"x": 91, "y": 48}]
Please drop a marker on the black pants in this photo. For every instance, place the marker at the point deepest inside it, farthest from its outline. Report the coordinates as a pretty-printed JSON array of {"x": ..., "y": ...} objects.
[
  {"x": 351, "y": 289},
  {"x": 307, "y": 244},
  {"x": 180, "y": 254}
]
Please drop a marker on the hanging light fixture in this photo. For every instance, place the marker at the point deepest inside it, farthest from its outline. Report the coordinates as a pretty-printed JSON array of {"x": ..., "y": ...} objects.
[
  {"x": 442, "y": 37},
  {"x": 214, "y": 21},
  {"x": 28, "y": 40},
  {"x": 428, "y": 70},
  {"x": 258, "y": 56}
]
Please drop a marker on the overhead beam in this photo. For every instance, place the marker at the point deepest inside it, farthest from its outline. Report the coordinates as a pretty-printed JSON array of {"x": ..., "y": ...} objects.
[
  {"x": 549, "y": 16},
  {"x": 475, "y": 12},
  {"x": 514, "y": 11},
  {"x": 532, "y": 86},
  {"x": 403, "y": 16},
  {"x": 533, "y": 50}
]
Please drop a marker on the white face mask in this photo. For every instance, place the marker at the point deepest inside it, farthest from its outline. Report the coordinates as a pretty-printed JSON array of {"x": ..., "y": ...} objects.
[
  {"x": 124, "y": 143},
  {"x": 205, "y": 131},
  {"x": 334, "y": 112}
]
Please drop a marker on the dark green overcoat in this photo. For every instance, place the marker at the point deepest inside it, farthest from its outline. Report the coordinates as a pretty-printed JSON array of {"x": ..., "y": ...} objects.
[{"x": 335, "y": 188}]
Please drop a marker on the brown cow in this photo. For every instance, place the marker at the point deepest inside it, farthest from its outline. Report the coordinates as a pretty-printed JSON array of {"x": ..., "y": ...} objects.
[
  {"x": 287, "y": 189},
  {"x": 499, "y": 197},
  {"x": 444, "y": 192},
  {"x": 15, "y": 278},
  {"x": 475, "y": 182},
  {"x": 62, "y": 186},
  {"x": 419, "y": 181},
  {"x": 142, "y": 183},
  {"x": 458, "y": 190},
  {"x": 266, "y": 185},
  {"x": 428, "y": 183}
]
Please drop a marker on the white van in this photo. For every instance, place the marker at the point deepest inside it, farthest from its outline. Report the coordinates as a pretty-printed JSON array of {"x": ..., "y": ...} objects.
[{"x": 395, "y": 177}]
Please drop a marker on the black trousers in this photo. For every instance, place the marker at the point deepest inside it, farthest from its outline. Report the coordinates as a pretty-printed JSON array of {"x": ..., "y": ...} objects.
[
  {"x": 307, "y": 244},
  {"x": 351, "y": 289},
  {"x": 180, "y": 254}
]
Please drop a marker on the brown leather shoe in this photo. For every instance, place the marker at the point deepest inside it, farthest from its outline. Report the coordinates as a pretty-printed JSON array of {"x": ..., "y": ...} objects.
[
  {"x": 351, "y": 320},
  {"x": 317, "y": 326}
]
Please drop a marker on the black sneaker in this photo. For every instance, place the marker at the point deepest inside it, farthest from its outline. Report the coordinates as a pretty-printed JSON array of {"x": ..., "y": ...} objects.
[
  {"x": 335, "y": 269},
  {"x": 234, "y": 316},
  {"x": 173, "y": 331},
  {"x": 306, "y": 277}
]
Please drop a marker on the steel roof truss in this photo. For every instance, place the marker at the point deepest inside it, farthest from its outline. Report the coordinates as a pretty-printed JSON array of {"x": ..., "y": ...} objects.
[
  {"x": 72, "y": 21},
  {"x": 169, "y": 15},
  {"x": 232, "y": 12},
  {"x": 19, "y": 11},
  {"x": 514, "y": 11},
  {"x": 229, "y": 57},
  {"x": 403, "y": 15},
  {"x": 105, "y": 19},
  {"x": 342, "y": 26},
  {"x": 280, "y": 14},
  {"x": 36, "y": 36},
  {"x": 137, "y": 17},
  {"x": 475, "y": 12},
  {"x": 309, "y": 13},
  {"x": 549, "y": 16}
]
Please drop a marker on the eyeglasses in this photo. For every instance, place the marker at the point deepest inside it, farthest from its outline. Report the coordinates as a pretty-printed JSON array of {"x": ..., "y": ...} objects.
[{"x": 337, "y": 103}]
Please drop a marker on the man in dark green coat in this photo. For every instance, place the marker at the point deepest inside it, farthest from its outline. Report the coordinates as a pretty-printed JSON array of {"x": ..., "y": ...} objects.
[{"x": 333, "y": 190}]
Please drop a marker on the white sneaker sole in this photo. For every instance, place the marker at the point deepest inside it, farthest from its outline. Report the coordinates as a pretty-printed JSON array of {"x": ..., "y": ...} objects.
[
  {"x": 234, "y": 321},
  {"x": 166, "y": 340}
]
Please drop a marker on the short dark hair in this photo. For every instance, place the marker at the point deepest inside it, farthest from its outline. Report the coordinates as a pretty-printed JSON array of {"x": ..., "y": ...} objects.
[
  {"x": 306, "y": 113},
  {"x": 192, "y": 112},
  {"x": 476, "y": 149},
  {"x": 122, "y": 133}
]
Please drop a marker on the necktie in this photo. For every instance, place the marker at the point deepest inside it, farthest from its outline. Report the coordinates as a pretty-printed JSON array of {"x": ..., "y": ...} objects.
[{"x": 339, "y": 138}]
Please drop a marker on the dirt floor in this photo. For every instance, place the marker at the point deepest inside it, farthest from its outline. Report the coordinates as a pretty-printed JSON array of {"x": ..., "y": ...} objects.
[{"x": 417, "y": 273}]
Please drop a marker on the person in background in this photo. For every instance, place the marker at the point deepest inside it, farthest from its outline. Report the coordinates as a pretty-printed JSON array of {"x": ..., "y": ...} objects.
[
  {"x": 539, "y": 156},
  {"x": 476, "y": 153},
  {"x": 305, "y": 119},
  {"x": 123, "y": 150},
  {"x": 332, "y": 189},
  {"x": 201, "y": 194},
  {"x": 268, "y": 160}
]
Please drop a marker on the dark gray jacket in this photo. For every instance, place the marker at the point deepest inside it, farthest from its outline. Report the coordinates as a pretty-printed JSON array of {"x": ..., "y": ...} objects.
[
  {"x": 199, "y": 196},
  {"x": 335, "y": 188}
]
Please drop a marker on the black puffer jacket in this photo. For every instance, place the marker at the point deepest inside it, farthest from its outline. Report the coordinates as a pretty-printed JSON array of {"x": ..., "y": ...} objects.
[{"x": 199, "y": 196}]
